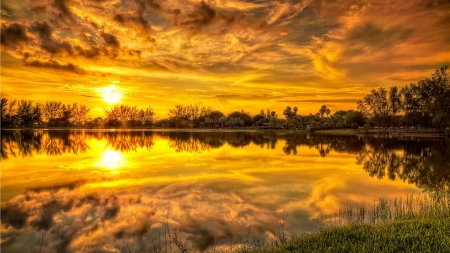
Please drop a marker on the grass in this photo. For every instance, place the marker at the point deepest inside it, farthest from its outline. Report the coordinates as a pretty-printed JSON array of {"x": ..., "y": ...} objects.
[
  {"x": 417, "y": 235},
  {"x": 417, "y": 223}
]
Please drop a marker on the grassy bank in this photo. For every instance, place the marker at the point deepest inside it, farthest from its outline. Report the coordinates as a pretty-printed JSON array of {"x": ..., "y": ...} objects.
[
  {"x": 417, "y": 235},
  {"x": 417, "y": 223}
]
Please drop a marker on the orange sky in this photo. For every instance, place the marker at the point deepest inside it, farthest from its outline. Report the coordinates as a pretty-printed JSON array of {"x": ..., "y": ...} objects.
[{"x": 230, "y": 54}]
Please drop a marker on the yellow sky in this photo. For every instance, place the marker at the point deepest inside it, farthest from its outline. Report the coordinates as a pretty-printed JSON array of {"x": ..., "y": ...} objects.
[{"x": 232, "y": 55}]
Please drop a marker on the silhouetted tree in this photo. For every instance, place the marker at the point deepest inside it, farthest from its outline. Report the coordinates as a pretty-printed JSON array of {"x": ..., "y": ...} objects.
[
  {"x": 79, "y": 113},
  {"x": 25, "y": 112}
]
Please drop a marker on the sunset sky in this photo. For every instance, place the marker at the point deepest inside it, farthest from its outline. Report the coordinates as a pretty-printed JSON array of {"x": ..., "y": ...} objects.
[{"x": 229, "y": 54}]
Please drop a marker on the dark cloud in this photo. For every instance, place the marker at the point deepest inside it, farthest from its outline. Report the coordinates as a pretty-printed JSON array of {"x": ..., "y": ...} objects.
[
  {"x": 110, "y": 213},
  {"x": 13, "y": 215},
  {"x": 58, "y": 187},
  {"x": 338, "y": 100},
  {"x": 110, "y": 40},
  {"x": 132, "y": 18},
  {"x": 93, "y": 52},
  {"x": 62, "y": 7},
  {"x": 47, "y": 42},
  {"x": 40, "y": 9},
  {"x": 247, "y": 97},
  {"x": 45, "y": 220},
  {"x": 52, "y": 64},
  {"x": 13, "y": 35},
  {"x": 375, "y": 36},
  {"x": 202, "y": 15},
  {"x": 42, "y": 29}
]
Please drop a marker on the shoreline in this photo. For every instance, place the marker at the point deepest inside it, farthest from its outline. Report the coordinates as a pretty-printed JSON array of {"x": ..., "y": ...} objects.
[{"x": 347, "y": 132}]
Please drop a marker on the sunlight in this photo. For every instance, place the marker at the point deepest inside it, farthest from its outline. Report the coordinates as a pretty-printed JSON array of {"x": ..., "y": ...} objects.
[
  {"x": 111, "y": 159},
  {"x": 111, "y": 94}
]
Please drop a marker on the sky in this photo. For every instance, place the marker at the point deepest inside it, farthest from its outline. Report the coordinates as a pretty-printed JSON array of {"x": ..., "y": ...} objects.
[{"x": 232, "y": 55}]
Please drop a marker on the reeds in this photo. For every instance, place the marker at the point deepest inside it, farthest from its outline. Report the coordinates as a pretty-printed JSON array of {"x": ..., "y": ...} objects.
[{"x": 425, "y": 205}]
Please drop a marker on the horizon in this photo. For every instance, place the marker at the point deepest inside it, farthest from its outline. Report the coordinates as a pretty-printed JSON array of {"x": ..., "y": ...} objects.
[{"x": 231, "y": 55}]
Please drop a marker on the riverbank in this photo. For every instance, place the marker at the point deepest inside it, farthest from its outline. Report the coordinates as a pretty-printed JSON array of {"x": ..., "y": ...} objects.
[
  {"x": 250, "y": 130},
  {"x": 416, "y": 235},
  {"x": 416, "y": 224}
]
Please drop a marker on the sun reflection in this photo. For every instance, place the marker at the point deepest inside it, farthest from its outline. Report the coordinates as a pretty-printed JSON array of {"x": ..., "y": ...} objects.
[
  {"x": 111, "y": 159},
  {"x": 111, "y": 94}
]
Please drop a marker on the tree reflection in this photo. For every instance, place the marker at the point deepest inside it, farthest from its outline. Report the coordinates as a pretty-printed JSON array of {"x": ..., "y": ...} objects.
[
  {"x": 52, "y": 143},
  {"x": 129, "y": 141},
  {"x": 423, "y": 162}
]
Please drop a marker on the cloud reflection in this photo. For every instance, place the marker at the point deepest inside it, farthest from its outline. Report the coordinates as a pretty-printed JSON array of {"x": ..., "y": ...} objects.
[{"x": 212, "y": 185}]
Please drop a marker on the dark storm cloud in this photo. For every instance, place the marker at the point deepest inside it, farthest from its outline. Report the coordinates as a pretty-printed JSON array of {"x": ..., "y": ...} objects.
[
  {"x": 13, "y": 35},
  {"x": 52, "y": 64}
]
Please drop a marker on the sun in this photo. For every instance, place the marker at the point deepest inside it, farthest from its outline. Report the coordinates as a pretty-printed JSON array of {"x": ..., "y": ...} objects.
[
  {"x": 111, "y": 94},
  {"x": 111, "y": 159}
]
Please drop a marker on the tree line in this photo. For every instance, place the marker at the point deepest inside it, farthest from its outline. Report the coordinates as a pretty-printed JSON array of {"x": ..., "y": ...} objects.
[{"x": 425, "y": 104}]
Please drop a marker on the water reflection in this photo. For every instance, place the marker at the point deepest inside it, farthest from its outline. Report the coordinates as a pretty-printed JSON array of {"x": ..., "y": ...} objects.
[
  {"x": 115, "y": 187},
  {"x": 422, "y": 162}
]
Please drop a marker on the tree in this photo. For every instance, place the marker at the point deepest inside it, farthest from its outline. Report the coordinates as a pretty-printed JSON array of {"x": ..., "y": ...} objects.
[
  {"x": 324, "y": 110},
  {"x": 147, "y": 116},
  {"x": 7, "y": 111},
  {"x": 244, "y": 116},
  {"x": 37, "y": 113},
  {"x": 25, "y": 112},
  {"x": 121, "y": 115},
  {"x": 52, "y": 110},
  {"x": 290, "y": 113},
  {"x": 215, "y": 115},
  {"x": 222, "y": 121},
  {"x": 354, "y": 118},
  {"x": 65, "y": 115},
  {"x": 79, "y": 113},
  {"x": 379, "y": 107}
]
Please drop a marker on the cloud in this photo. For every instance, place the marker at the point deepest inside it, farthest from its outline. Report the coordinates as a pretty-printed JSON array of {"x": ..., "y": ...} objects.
[
  {"x": 14, "y": 216},
  {"x": 234, "y": 44},
  {"x": 110, "y": 213},
  {"x": 63, "y": 10},
  {"x": 202, "y": 15},
  {"x": 13, "y": 35},
  {"x": 51, "y": 64},
  {"x": 110, "y": 40},
  {"x": 40, "y": 9},
  {"x": 58, "y": 187}
]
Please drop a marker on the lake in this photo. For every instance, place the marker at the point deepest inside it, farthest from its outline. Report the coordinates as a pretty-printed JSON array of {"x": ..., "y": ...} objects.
[{"x": 98, "y": 189}]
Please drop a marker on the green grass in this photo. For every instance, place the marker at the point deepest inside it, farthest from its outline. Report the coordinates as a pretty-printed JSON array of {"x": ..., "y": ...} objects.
[
  {"x": 417, "y": 223},
  {"x": 417, "y": 235}
]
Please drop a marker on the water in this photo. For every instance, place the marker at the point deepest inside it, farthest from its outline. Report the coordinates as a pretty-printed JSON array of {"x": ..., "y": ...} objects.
[{"x": 94, "y": 190}]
